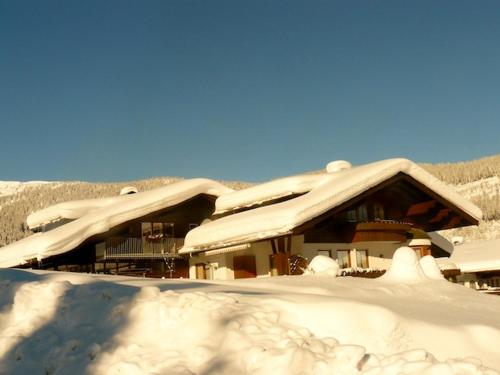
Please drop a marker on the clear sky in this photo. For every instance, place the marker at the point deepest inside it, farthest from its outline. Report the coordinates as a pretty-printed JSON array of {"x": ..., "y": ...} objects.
[{"x": 246, "y": 90}]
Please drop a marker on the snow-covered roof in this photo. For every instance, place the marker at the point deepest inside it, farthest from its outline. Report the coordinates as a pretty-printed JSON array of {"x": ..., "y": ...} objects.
[
  {"x": 268, "y": 191},
  {"x": 99, "y": 216},
  {"x": 477, "y": 256},
  {"x": 73, "y": 209},
  {"x": 328, "y": 190},
  {"x": 441, "y": 242},
  {"x": 68, "y": 210}
]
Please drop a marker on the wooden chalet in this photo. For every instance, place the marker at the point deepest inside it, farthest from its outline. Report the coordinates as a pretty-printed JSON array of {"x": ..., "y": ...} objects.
[{"x": 361, "y": 231}]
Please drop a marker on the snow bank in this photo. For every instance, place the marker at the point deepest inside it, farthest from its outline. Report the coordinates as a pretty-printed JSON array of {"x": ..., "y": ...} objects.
[
  {"x": 445, "y": 263},
  {"x": 323, "y": 265},
  {"x": 404, "y": 267},
  {"x": 182, "y": 327}
]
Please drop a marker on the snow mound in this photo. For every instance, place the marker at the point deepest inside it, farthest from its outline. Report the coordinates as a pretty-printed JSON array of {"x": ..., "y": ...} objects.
[
  {"x": 150, "y": 331},
  {"x": 404, "y": 267},
  {"x": 445, "y": 263},
  {"x": 431, "y": 268},
  {"x": 323, "y": 265},
  {"x": 338, "y": 166},
  {"x": 56, "y": 327}
]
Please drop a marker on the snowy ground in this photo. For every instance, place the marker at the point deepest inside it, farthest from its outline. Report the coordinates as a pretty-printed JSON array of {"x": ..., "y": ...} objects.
[{"x": 62, "y": 323}]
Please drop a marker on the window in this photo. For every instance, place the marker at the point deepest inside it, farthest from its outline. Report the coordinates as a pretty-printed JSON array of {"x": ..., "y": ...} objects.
[
  {"x": 156, "y": 231},
  {"x": 326, "y": 253},
  {"x": 351, "y": 216},
  {"x": 362, "y": 258},
  {"x": 343, "y": 258},
  {"x": 362, "y": 213},
  {"x": 146, "y": 230},
  {"x": 378, "y": 211},
  {"x": 168, "y": 230}
]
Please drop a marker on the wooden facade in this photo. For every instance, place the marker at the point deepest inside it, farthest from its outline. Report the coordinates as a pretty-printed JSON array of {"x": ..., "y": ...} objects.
[{"x": 387, "y": 212}]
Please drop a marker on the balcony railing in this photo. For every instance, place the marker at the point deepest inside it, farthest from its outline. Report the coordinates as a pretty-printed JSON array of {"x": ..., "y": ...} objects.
[{"x": 137, "y": 247}]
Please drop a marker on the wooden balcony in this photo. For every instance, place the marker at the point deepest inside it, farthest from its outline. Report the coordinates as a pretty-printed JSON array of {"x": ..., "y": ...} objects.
[
  {"x": 140, "y": 248},
  {"x": 383, "y": 230}
]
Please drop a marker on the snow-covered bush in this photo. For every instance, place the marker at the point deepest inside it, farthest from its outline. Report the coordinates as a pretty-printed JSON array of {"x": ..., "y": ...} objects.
[{"x": 323, "y": 265}]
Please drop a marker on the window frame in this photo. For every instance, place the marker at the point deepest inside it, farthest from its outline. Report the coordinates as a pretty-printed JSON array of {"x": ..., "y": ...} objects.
[
  {"x": 366, "y": 257},
  {"x": 348, "y": 257}
]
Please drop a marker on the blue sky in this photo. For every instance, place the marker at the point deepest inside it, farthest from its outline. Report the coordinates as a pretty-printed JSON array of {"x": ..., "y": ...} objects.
[{"x": 245, "y": 90}]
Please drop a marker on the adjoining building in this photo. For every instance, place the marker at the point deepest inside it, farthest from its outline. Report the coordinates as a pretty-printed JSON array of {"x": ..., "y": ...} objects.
[
  {"x": 136, "y": 234},
  {"x": 479, "y": 263},
  {"x": 202, "y": 229}
]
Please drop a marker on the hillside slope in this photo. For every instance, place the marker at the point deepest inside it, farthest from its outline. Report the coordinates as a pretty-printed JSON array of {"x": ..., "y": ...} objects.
[{"x": 478, "y": 180}]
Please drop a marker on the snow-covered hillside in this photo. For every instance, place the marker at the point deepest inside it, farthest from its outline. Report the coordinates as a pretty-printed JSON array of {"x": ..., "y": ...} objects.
[
  {"x": 16, "y": 187},
  {"x": 61, "y": 323},
  {"x": 487, "y": 186},
  {"x": 486, "y": 194}
]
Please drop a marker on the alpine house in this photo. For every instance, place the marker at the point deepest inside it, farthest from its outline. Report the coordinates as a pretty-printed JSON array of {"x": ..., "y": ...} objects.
[{"x": 358, "y": 216}]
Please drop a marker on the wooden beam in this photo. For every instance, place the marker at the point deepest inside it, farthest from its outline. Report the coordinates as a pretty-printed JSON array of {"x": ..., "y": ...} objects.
[
  {"x": 441, "y": 215},
  {"x": 420, "y": 208},
  {"x": 467, "y": 219},
  {"x": 454, "y": 222},
  {"x": 311, "y": 223},
  {"x": 273, "y": 245}
]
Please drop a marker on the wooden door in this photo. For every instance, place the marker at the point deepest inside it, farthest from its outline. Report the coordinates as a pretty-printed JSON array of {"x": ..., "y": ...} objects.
[
  {"x": 244, "y": 266},
  {"x": 200, "y": 271},
  {"x": 422, "y": 250},
  {"x": 181, "y": 268},
  {"x": 425, "y": 250},
  {"x": 279, "y": 264}
]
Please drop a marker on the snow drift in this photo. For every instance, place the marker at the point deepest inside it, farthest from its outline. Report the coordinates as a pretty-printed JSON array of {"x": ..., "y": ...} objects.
[{"x": 60, "y": 323}]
